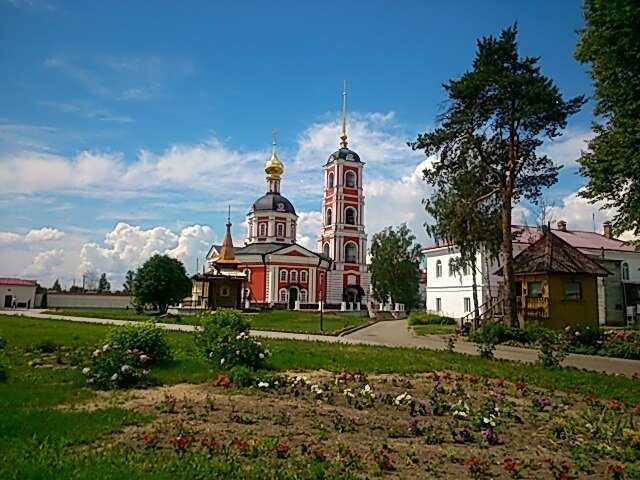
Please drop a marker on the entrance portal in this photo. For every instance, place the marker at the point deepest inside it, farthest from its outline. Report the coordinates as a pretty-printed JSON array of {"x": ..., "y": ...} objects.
[
  {"x": 293, "y": 297},
  {"x": 7, "y": 301}
]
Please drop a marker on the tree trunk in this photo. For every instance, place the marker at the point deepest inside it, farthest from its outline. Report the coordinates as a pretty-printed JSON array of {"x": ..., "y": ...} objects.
[
  {"x": 476, "y": 317},
  {"x": 510, "y": 306}
]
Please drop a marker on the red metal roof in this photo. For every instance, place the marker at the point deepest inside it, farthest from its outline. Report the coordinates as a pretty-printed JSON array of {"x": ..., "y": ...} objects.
[
  {"x": 578, "y": 239},
  {"x": 17, "y": 282}
]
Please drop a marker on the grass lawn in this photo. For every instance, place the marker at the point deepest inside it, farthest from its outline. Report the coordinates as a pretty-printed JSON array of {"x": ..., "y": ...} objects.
[
  {"x": 434, "y": 329},
  {"x": 275, "y": 320},
  {"x": 48, "y": 432},
  {"x": 304, "y": 322}
]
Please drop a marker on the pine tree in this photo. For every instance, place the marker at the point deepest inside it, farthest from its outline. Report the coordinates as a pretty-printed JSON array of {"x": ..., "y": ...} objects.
[
  {"x": 498, "y": 114},
  {"x": 103, "y": 283}
]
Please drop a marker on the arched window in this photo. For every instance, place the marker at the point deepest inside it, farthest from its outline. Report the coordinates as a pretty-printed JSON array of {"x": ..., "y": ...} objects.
[
  {"x": 262, "y": 230},
  {"x": 283, "y": 295},
  {"x": 325, "y": 249},
  {"x": 350, "y": 179},
  {"x": 330, "y": 180},
  {"x": 625, "y": 271},
  {"x": 350, "y": 253},
  {"x": 329, "y": 217},
  {"x": 280, "y": 230},
  {"x": 293, "y": 276},
  {"x": 283, "y": 275},
  {"x": 465, "y": 269},
  {"x": 350, "y": 216},
  {"x": 451, "y": 267},
  {"x": 438, "y": 268},
  {"x": 303, "y": 296},
  {"x": 247, "y": 272},
  {"x": 293, "y": 231},
  {"x": 303, "y": 276}
]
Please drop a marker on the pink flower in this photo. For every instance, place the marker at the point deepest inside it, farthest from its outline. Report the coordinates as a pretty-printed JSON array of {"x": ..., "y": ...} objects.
[
  {"x": 143, "y": 358},
  {"x": 261, "y": 356},
  {"x": 114, "y": 377},
  {"x": 125, "y": 368},
  {"x": 136, "y": 351}
]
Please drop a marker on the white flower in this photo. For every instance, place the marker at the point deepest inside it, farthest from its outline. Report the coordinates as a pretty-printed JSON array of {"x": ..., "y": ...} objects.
[
  {"x": 145, "y": 372},
  {"x": 210, "y": 354},
  {"x": 316, "y": 389},
  {"x": 267, "y": 352},
  {"x": 237, "y": 352},
  {"x": 459, "y": 413},
  {"x": 348, "y": 393},
  {"x": 105, "y": 347},
  {"x": 402, "y": 398},
  {"x": 222, "y": 361},
  {"x": 261, "y": 356},
  {"x": 488, "y": 421},
  {"x": 367, "y": 391},
  {"x": 114, "y": 377},
  {"x": 263, "y": 385},
  {"x": 86, "y": 370},
  {"x": 125, "y": 368},
  {"x": 97, "y": 352}
]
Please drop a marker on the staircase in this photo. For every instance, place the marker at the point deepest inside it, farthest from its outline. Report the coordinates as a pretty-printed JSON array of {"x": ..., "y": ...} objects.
[{"x": 492, "y": 309}]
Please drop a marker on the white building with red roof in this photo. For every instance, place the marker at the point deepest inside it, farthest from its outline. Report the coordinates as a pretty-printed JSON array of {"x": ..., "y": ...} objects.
[
  {"x": 17, "y": 292},
  {"x": 451, "y": 292}
]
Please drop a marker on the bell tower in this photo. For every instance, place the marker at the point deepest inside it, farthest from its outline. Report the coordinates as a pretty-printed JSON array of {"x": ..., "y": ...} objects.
[{"x": 343, "y": 237}]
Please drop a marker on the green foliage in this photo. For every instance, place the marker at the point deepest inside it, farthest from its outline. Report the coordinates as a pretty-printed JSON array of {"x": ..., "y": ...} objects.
[
  {"x": 144, "y": 337},
  {"x": 44, "y": 302},
  {"x": 610, "y": 44},
  {"x": 114, "y": 366},
  {"x": 395, "y": 264},
  {"x": 56, "y": 286},
  {"x": 224, "y": 339},
  {"x": 486, "y": 338},
  {"x": 161, "y": 281},
  {"x": 127, "y": 286},
  {"x": 497, "y": 116},
  {"x": 103, "y": 283},
  {"x": 554, "y": 347},
  {"x": 46, "y": 345},
  {"x": 428, "y": 318},
  {"x": 4, "y": 364}
]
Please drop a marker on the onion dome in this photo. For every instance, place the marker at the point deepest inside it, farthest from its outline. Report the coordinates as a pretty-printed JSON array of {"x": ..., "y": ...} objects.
[
  {"x": 273, "y": 202},
  {"x": 274, "y": 167}
]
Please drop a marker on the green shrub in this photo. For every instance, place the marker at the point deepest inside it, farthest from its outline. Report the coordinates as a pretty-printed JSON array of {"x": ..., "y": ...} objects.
[
  {"x": 554, "y": 347},
  {"x": 3, "y": 343},
  {"x": 621, "y": 344},
  {"x": 142, "y": 337},
  {"x": 429, "y": 318},
  {"x": 114, "y": 366},
  {"x": 243, "y": 376},
  {"x": 224, "y": 339},
  {"x": 4, "y": 365},
  {"x": 486, "y": 338},
  {"x": 46, "y": 345}
]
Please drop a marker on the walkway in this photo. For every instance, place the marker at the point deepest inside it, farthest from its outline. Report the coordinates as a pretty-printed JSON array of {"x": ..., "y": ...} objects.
[{"x": 392, "y": 334}]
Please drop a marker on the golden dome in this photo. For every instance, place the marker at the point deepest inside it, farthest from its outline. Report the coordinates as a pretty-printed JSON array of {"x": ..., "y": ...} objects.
[{"x": 274, "y": 167}]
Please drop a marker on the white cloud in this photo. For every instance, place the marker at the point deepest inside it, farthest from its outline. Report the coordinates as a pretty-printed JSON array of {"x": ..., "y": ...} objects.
[
  {"x": 127, "y": 247},
  {"x": 566, "y": 149},
  {"x": 44, "y": 262},
  {"x": 44, "y": 234},
  {"x": 7, "y": 238},
  {"x": 309, "y": 225},
  {"x": 580, "y": 214}
]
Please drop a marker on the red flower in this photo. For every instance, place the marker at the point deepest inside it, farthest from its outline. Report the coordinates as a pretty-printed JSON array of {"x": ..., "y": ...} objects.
[
  {"x": 222, "y": 381},
  {"x": 520, "y": 385},
  {"x": 182, "y": 441},
  {"x": 148, "y": 438},
  {"x": 615, "y": 404}
]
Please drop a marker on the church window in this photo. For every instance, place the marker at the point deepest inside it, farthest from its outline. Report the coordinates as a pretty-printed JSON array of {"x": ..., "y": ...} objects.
[
  {"x": 293, "y": 276},
  {"x": 262, "y": 230},
  {"x": 350, "y": 253},
  {"x": 438, "y": 304},
  {"x": 303, "y": 276},
  {"x": 625, "y": 271},
  {"x": 330, "y": 180},
  {"x": 451, "y": 267},
  {"x": 280, "y": 230},
  {"x": 325, "y": 249},
  {"x": 224, "y": 291},
  {"x": 283, "y": 275},
  {"x": 350, "y": 179},
  {"x": 438, "y": 268},
  {"x": 350, "y": 216},
  {"x": 283, "y": 295},
  {"x": 467, "y": 304},
  {"x": 293, "y": 231},
  {"x": 303, "y": 296},
  {"x": 329, "y": 217}
]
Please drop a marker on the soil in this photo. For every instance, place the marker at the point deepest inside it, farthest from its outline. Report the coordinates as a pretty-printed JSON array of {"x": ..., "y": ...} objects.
[{"x": 532, "y": 433}]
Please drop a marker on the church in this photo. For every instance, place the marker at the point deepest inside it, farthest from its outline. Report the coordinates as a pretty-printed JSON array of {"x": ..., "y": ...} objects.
[{"x": 280, "y": 273}]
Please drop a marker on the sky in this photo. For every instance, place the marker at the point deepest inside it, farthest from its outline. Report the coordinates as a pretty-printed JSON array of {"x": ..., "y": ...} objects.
[{"x": 128, "y": 128}]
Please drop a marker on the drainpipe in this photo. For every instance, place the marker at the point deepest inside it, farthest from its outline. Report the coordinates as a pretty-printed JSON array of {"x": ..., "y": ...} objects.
[{"x": 264, "y": 262}]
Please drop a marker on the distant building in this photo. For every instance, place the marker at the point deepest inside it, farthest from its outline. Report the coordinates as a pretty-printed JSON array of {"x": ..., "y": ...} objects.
[
  {"x": 17, "y": 292},
  {"x": 450, "y": 292}
]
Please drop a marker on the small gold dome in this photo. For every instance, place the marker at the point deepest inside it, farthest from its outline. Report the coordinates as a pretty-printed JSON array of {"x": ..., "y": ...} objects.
[{"x": 274, "y": 167}]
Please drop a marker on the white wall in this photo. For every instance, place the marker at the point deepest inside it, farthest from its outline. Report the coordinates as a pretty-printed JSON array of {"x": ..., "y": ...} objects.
[
  {"x": 70, "y": 300},
  {"x": 24, "y": 294}
]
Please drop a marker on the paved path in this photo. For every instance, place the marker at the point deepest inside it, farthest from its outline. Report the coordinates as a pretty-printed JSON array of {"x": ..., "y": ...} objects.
[{"x": 392, "y": 333}]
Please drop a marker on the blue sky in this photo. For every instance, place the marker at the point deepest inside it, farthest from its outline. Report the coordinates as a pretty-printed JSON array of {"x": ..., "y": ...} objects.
[{"x": 127, "y": 129}]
